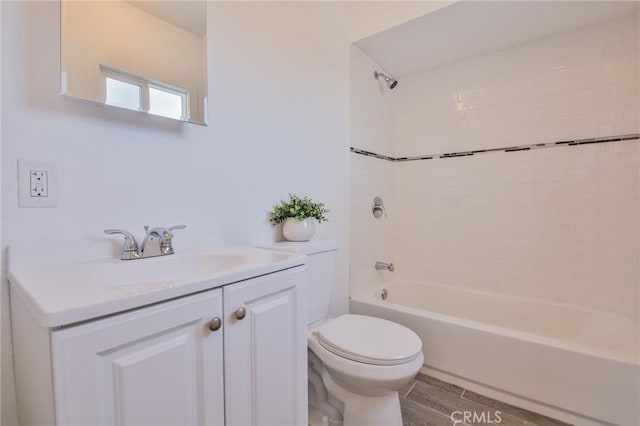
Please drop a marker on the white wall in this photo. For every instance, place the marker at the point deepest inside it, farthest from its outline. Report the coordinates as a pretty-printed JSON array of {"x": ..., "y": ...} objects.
[
  {"x": 371, "y": 17},
  {"x": 559, "y": 224},
  {"x": 278, "y": 123},
  {"x": 371, "y": 118},
  {"x": 3, "y": 296}
]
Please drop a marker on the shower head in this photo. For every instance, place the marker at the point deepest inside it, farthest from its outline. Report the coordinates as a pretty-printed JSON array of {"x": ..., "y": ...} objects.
[{"x": 391, "y": 82}]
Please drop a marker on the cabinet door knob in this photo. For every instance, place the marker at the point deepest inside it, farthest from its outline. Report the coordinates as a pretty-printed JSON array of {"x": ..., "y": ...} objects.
[
  {"x": 240, "y": 313},
  {"x": 215, "y": 324}
]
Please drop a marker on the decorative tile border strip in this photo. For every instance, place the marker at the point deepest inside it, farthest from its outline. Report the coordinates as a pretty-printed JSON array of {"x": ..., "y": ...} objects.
[
  {"x": 633, "y": 136},
  {"x": 372, "y": 154}
]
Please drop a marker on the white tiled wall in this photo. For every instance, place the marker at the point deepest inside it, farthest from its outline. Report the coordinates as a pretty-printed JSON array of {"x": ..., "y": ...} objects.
[
  {"x": 371, "y": 129},
  {"x": 579, "y": 84},
  {"x": 559, "y": 224},
  {"x": 371, "y": 238},
  {"x": 371, "y": 112}
]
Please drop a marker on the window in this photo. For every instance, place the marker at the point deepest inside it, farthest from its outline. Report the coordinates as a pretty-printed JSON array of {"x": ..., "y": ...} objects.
[
  {"x": 166, "y": 103},
  {"x": 123, "y": 94},
  {"x": 138, "y": 93}
]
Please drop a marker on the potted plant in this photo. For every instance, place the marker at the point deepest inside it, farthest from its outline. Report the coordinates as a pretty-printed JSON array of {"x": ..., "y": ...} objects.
[{"x": 297, "y": 215}]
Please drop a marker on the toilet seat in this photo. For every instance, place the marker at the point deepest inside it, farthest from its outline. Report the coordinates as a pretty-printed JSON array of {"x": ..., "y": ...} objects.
[{"x": 369, "y": 340}]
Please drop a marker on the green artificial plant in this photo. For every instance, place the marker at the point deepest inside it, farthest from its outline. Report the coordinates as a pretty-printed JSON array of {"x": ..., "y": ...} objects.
[{"x": 299, "y": 208}]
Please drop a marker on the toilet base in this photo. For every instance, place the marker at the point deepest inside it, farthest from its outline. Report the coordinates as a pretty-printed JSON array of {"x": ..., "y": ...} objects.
[{"x": 365, "y": 410}]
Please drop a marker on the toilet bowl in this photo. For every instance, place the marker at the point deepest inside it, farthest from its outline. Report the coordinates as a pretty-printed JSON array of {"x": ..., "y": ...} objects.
[
  {"x": 357, "y": 363},
  {"x": 365, "y": 362}
]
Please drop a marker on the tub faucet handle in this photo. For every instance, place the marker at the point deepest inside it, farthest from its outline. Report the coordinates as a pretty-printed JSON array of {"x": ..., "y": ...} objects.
[{"x": 377, "y": 208}]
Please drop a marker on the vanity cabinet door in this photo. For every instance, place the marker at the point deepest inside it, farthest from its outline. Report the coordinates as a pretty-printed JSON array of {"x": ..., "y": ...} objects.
[
  {"x": 160, "y": 365},
  {"x": 265, "y": 347}
]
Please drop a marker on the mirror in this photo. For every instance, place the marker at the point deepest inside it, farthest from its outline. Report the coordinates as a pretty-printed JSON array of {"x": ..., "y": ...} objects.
[{"x": 147, "y": 56}]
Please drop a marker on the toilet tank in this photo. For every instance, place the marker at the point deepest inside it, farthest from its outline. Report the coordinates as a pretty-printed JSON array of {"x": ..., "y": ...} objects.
[{"x": 320, "y": 273}]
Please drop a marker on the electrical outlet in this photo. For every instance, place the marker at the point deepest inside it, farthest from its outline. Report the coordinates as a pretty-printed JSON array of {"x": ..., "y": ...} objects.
[
  {"x": 39, "y": 180},
  {"x": 37, "y": 184}
]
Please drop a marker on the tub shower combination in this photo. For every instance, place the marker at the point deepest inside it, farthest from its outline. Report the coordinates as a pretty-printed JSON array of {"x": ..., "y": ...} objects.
[
  {"x": 508, "y": 171},
  {"x": 569, "y": 362},
  {"x": 561, "y": 360}
]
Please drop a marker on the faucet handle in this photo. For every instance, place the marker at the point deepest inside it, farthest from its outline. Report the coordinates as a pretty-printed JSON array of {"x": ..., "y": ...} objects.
[
  {"x": 146, "y": 228},
  {"x": 166, "y": 242},
  {"x": 167, "y": 235},
  {"x": 130, "y": 243}
]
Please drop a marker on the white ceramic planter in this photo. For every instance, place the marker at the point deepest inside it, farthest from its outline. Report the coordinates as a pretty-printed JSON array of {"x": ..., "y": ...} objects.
[{"x": 298, "y": 230}]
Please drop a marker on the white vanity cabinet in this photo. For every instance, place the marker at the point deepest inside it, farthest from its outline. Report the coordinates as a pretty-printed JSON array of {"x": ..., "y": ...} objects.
[
  {"x": 169, "y": 363},
  {"x": 153, "y": 366},
  {"x": 265, "y": 353}
]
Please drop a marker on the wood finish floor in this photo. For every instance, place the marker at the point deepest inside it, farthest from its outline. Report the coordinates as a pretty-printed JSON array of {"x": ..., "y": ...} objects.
[{"x": 427, "y": 401}]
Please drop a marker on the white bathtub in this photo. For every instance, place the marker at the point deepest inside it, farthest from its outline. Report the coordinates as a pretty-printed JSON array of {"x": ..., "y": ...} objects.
[{"x": 570, "y": 363}]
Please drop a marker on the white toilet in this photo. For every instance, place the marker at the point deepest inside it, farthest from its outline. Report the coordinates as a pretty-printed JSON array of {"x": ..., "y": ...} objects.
[{"x": 357, "y": 363}]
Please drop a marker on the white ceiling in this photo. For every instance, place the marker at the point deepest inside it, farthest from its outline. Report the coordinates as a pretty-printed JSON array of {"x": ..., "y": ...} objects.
[
  {"x": 470, "y": 28},
  {"x": 186, "y": 14}
]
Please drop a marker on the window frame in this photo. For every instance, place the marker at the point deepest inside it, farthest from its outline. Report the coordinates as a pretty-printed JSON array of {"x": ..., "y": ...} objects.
[{"x": 144, "y": 84}]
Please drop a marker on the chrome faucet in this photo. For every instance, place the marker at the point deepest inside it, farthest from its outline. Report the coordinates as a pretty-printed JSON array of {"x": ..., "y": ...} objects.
[
  {"x": 157, "y": 242},
  {"x": 381, "y": 266}
]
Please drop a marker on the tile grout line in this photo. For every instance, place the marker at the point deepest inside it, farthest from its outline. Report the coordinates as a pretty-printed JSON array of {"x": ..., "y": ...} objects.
[
  {"x": 462, "y": 398},
  {"x": 443, "y": 388},
  {"x": 487, "y": 407},
  {"x": 439, "y": 413},
  {"x": 477, "y": 403},
  {"x": 429, "y": 408},
  {"x": 577, "y": 142},
  {"x": 512, "y": 415},
  {"x": 410, "y": 389}
]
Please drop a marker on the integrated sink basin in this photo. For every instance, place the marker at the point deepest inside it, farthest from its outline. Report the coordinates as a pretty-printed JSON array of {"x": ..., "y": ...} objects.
[
  {"x": 117, "y": 274},
  {"x": 63, "y": 290}
]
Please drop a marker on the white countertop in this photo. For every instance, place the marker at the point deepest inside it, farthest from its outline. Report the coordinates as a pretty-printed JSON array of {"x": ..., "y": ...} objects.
[{"x": 62, "y": 290}]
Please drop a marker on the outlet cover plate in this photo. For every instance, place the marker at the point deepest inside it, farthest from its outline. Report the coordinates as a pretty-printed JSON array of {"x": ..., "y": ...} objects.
[{"x": 37, "y": 184}]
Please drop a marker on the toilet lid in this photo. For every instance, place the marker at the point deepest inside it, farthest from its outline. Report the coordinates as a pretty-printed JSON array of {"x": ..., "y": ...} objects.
[{"x": 369, "y": 340}]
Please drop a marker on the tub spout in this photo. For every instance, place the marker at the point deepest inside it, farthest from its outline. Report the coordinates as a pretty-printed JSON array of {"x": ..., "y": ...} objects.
[{"x": 382, "y": 266}]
